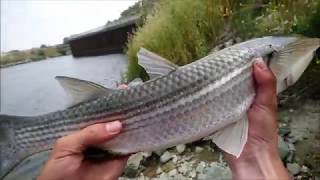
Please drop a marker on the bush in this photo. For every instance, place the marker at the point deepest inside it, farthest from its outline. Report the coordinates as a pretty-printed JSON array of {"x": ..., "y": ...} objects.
[
  {"x": 184, "y": 31},
  {"x": 181, "y": 31}
]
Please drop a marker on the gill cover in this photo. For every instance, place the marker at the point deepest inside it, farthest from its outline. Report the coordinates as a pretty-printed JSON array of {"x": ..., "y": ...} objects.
[{"x": 289, "y": 62}]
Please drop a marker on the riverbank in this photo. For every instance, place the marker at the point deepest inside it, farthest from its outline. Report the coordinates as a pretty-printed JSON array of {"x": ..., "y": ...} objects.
[{"x": 16, "y": 57}]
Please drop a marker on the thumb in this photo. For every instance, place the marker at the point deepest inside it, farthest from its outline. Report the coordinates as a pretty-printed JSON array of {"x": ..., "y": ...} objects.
[
  {"x": 265, "y": 84},
  {"x": 89, "y": 136}
]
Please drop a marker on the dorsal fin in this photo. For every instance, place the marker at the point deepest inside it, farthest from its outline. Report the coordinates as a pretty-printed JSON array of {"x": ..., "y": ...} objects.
[
  {"x": 154, "y": 64},
  {"x": 81, "y": 90}
]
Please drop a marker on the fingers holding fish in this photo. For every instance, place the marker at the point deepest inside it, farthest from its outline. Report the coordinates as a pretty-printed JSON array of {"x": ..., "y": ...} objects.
[
  {"x": 265, "y": 83},
  {"x": 89, "y": 136}
]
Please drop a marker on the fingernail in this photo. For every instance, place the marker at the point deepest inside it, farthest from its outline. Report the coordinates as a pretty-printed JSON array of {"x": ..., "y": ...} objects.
[
  {"x": 113, "y": 127},
  {"x": 260, "y": 63}
]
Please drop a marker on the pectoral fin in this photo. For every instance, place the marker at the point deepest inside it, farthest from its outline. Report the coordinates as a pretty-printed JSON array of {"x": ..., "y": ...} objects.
[
  {"x": 232, "y": 138},
  {"x": 81, "y": 90},
  {"x": 154, "y": 64}
]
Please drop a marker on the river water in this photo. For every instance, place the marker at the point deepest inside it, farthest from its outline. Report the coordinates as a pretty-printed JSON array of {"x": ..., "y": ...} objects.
[{"x": 31, "y": 89}]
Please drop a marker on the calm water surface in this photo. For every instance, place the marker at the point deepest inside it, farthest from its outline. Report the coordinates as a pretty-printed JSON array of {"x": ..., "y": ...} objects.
[{"x": 30, "y": 89}]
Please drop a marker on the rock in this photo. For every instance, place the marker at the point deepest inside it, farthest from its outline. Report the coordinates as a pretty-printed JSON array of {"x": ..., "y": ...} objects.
[
  {"x": 283, "y": 148},
  {"x": 198, "y": 149},
  {"x": 291, "y": 147},
  {"x": 159, "y": 152},
  {"x": 304, "y": 169},
  {"x": 214, "y": 171},
  {"x": 293, "y": 168},
  {"x": 184, "y": 168},
  {"x": 164, "y": 176},
  {"x": 165, "y": 157},
  {"x": 175, "y": 159},
  {"x": 290, "y": 157},
  {"x": 228, "y": 43},
  {"x": 168, "y": 166},
  {"x": 192, "y": 174},
  {"x": 200, "y": 167},
  {"x": 227, "y": 174},
  {"x": 146, "y": 154},
  {"x": 135, "y": 160},
  {"x": 284, "y": 131},
  {"x": 159, "y": 170},
  {"x": 131, "y": 171},
  {"x": 238, "y": 40},
  {"x": 181, "y": 148},
  {"x": 173, "y": 173}
]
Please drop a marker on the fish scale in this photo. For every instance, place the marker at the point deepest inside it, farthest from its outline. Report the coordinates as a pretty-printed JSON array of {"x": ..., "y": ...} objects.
[
  {"x": 209, "y": 97},
  {"x": 186, "y": 74}
]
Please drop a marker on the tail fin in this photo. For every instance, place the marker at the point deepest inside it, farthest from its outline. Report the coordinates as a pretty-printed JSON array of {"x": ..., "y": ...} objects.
[{"x": 10, "y": 153}]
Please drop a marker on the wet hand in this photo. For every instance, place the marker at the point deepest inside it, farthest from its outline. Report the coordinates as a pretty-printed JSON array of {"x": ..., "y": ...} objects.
[
  {"x": 260, "y": 158},
  {"x": 67, "y": 160}
]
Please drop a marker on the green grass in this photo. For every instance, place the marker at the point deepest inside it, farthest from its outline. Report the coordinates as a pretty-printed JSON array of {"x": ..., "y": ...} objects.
[
  {"x": 180, "y": 31},
  {"x": 184, "y": 31}
]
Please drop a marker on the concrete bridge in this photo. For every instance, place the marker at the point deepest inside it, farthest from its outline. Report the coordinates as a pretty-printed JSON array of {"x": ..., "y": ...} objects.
[{"x": 110, "y": 38}]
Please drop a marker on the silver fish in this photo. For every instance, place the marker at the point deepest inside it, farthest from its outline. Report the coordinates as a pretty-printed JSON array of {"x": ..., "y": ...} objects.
[{"x": 208, "y": 97}]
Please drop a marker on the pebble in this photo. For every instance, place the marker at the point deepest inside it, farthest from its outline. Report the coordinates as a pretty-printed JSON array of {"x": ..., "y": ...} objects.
[
  {"x": 290, "y": 157},
  {"x": 192, "y": 174},
  {"x": 175, "y": 159},
  {"x": 135, "y": 160},
  {"x": 163, "y": 176},
  {"x": 159, "y": 170},
  {"x": 183, "y": 168},
  {"x": 200, "y": 167},
  {"x": 131, "y": 171},
  {"x": 291, "y": 147},
  {"x": 228, "y": 43},
  {"x": 215, "y": 171},
  {"x": 304, "y": 169},
  {"x": 181, "y": 148},
  {"x": 283, "y": 148},
  {"x": 159, "y": 152},
  {"x": 173, "y": 173},
  {"x": 165, "y": 157},
  {"x": 198, "y": 149},
  {"x": 167, "y": 167},
  {"x": 293, "y": 168}
]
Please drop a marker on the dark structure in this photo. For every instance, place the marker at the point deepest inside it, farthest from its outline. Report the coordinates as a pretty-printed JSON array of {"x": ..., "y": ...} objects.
[{"x": 110, "y": 38}]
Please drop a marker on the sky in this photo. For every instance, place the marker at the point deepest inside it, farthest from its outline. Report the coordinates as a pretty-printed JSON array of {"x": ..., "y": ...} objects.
[{"x": 31, "y": 23}]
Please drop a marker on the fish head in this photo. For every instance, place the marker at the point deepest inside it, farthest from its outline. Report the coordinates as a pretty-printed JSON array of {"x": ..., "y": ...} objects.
[{"x": 290, "y": 57}]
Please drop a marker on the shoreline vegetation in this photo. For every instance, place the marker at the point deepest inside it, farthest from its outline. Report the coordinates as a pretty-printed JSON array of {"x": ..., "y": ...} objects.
[
  {"x": 16, "y": 57},
  {"x": 184, "y": 31}
]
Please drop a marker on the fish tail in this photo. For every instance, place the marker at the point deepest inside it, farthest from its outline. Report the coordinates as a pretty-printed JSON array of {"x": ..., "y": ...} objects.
[{"x": 10, "y": 152}]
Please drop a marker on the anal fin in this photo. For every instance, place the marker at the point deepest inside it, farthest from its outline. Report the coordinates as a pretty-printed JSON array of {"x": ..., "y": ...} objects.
[{"x": 232, "y": 138}]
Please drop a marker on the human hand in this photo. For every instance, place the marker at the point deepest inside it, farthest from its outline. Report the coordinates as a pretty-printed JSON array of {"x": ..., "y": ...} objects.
[
  {"x": 67, "y": 160},
  {"x": 260, "y": 158}
]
